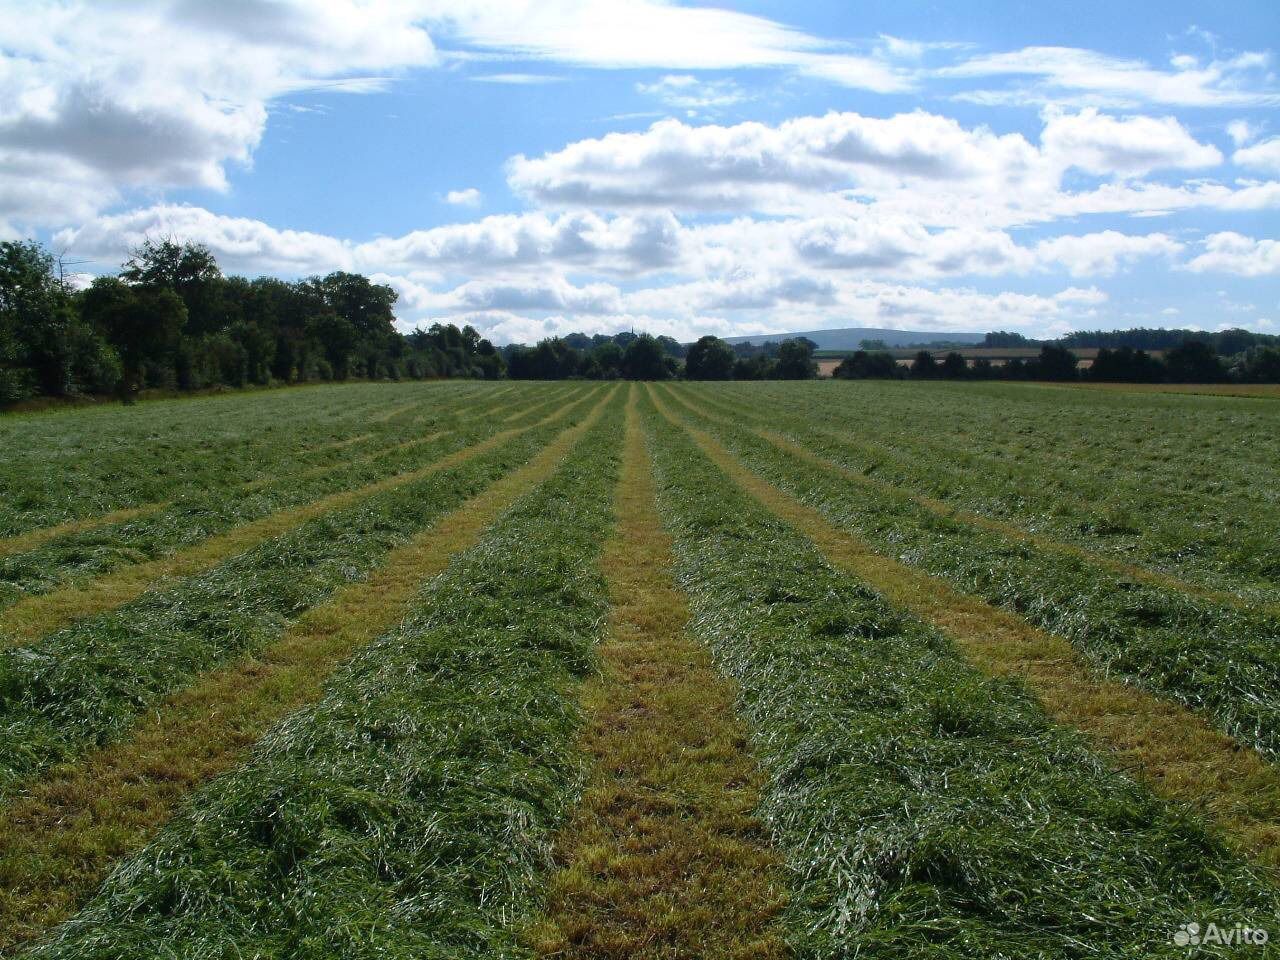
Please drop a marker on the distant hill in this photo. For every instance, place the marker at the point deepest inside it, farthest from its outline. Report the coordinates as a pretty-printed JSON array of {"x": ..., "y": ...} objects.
[{"x": 850, "y": 338}]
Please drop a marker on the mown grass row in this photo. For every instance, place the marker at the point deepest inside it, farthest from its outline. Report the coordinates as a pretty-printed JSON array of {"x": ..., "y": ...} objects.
[
  {"x": 83, "y": 555},
  {"x": 69, "y": 465},
  {"x": 409, "y": 812},
  {"x": 923, "y": 809},
  {"x": 82, "y": 685},
  {"x": 60, "y": 834},
  {"x": 1220, "y": 660},
  {"x": 1218, "y": 532}
]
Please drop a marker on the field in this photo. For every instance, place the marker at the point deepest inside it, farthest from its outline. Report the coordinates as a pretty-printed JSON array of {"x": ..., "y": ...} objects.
[{"x": 603, "y": 670}]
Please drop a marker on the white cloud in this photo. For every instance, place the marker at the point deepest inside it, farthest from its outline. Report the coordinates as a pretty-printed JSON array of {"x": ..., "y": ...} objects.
[
  {"x": 1101, "y": 254},
  {"x": 1072, "y": 75},
  {"x": 687, "y": 92},
  {"x": 1260, "y": 156},
  {"x": 917, "y": 165},
  {"x": 517, "y": 79},
  {"x": 1230, "y": 252},
  {"x": 649, "y": 33},
  {"x": 1241, "y": 132},
  {"x": 581, "y": 240},
  {"x": 155, "y": 95},
  {"x": 470, "y": 197},
  {"x": 240, "y": 244},
  {"x": 1132, "y": 146}
]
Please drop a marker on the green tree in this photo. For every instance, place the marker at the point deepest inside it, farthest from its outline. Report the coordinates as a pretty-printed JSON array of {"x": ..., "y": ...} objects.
[
  {"x": 143, "y": 323},
  {"x": 644, "y": 359},
  {"x": 795, "y": 360},
  {"x": 190, "y": 271},
  {"x": 709, "y": 359},
  {"x": 337, "y": 338},
  {"x": 1194, "y": 362}
]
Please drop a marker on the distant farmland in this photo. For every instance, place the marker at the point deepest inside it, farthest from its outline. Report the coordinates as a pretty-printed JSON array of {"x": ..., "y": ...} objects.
[{"x": 754, "y": 669}]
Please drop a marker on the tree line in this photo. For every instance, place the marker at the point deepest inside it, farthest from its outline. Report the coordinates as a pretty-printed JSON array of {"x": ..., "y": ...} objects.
[
  {"x": 1190, "y": 361},
  {"x": 171, "y": 320},
  {"x": 635, "y": 356}
]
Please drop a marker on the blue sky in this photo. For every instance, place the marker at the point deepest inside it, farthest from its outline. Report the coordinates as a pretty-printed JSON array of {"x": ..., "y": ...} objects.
[{"x": 536, "y": 168}]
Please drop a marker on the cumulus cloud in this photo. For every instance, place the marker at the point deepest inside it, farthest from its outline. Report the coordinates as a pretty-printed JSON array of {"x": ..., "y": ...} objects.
[
  {"x": 469, "y": 197},
  {"x": 1230, "y": 252},
  {"x": 1260, "y": 156},
  {"x": 1101, "y": 254},
  {"x": 160, "y": 95},
  {"x": 239, "y": 243},
  {"x": 919, "y": 165},
  {"x": 1131, "y": 146}
]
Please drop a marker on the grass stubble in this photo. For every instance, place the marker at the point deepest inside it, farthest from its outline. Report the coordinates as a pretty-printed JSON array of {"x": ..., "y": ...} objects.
[{"x": 663, "y": 856}]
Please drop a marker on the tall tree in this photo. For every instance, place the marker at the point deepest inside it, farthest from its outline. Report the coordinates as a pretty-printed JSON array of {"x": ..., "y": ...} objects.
[{"x": 190, "y": 271}]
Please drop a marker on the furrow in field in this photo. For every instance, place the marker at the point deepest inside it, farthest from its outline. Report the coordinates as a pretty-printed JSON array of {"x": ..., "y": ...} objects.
[
  {"x": 1217, "y": 659},
  {"x": 961, "y": 515},
  {"x": 408, "y": 811},
  {"x": 1172, "y": 748},
  {"x": 923, "y": 809},
  {"x": 663, "y": 856},
  {"x": 34, "y": 617},
  {"x": 58, "y": 839}
]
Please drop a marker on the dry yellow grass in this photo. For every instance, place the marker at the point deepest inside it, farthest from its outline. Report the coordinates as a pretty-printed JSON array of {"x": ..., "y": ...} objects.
[
  {"x": 1012, "y": 531},
  {"x": 1163, "y": 743},
  {"x": 663, "y": 857},
  {"x": 32, "y": 618},
  {"x": 58, "y": 839}
]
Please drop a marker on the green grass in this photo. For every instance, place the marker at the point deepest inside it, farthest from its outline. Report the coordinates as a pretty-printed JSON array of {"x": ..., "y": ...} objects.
[
  {"x": 408, "y": 813},
  {"x": 1187, "y": 485},
  {"x": 84, "y": 685},
  {"x": 215, "y": 507},
  {"x": 1218, "y": 659},
  {"x": 923, "y": 809}
]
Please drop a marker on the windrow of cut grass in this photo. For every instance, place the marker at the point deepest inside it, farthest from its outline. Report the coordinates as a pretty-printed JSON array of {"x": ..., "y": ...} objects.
[
  {"x": 71, "y": 465},
  {"x": 1175, "y": 751},
  {"x": 91, "y": 548},
  {"x": 863, "y": 464},
  {"x": 81, "y": 686},
  {"x": 923, "y": 809},
  {"x": 663, "y": 856},
  {"x": 1219, "y": 660},
  {"x": 217, "y": 530},
  {"x": 1202, "y": 525},
  {"x": 409, "y": 812},
  {"x": 58, "y": 838}
]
